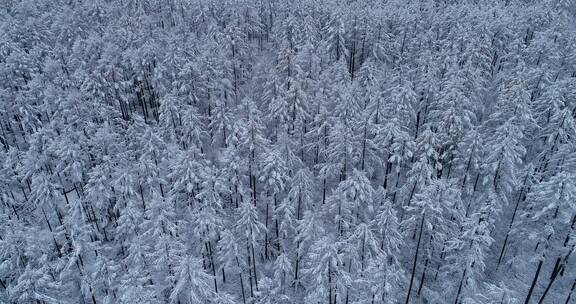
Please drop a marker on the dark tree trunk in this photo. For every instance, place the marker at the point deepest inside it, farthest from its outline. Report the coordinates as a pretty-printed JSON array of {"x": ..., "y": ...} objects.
[
  {"x": 254, "y": 266},
  {"x": 531, "y": 290},
  {"x": 555, "y": 272},
  {"x": 570, "y": 293},
  {"x": 423, "y": 277},
  {"x": 396, "y": 187},
  {"x": 241, "y": 282},
  {"x": 266, "y": 235},
  {"x": 212, "y": 265},
  {"x": 324, "y": 192},
  {"x": 330, "y": 286},
  {"x": 248, "y": 256},
  {"x": 415, "y": 261},
  {"x": 460, "y": 286},
  {"x": 363, "y": 160},
  {"x": 521, "y": 197},
  {"x": 242, "y": 288}
]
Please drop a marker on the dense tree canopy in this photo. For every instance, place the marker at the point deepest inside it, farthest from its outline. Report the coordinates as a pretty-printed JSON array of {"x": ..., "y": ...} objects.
[{"x": 267, "y": 151}]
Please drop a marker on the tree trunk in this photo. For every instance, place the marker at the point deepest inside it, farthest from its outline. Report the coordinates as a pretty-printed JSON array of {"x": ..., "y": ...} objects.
[
  {"x": 415, "y": 260},
  {"x": 423, "y": 277},
  {"x": 555, "y": 271},
  {"x": 248, "y": 256},
  {"x": 142, "y": 197},
  {"x": 324, "y": 192},
  {"x": 460, "y": 286},
  {"x": 531, "y": 290},
  {"x": 92, "y": 295},
  {"x": 330, "y": 286},
  {"x": 363, "y": 146},
  {"x": 396, "y": 187},
  {"x": 570, "y": 293},
  {"x": 388, "y": 167},
  {"x": 254, "y": 266},
  {"x": 297, "y": 266},
  {"x": 276, "y": 226},
  {"x": 241, "y": 282},
  {"x": 521, "y": 197},
  {"x": 242, "y": 288},
  {"x": 266, "y": 233},
  {"x": 212, "y": 265}
]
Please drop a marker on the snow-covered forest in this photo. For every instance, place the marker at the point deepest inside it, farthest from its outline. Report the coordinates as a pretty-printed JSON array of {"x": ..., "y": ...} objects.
[{"x": 270, "y": 151}]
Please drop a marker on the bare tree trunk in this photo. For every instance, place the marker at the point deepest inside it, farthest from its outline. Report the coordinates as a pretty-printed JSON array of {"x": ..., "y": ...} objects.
[
  {"x": 297, "y": 266},
  {"x": 396, "y": 187},
  {"x": 415, "y": 260},
  {"x": 254, "y": 266},
  {"x": 330, "y": 285},
  {"x": 249, "y": 268},
  {"x": 521, "y": 197},
  {"x": 531, "y": 290},
  {"x": 266, "y": 233},
  {"x": 212, "y": 265},
  {"x": 460, "y": 286},
  {"x": 324, "y": 192},
  {"x": 363, "y": 147},
  {"x": 555, "y": 272},
  {"x": 570, "y": 293},
  {"x": 241, "y": 282},
  {"x": 423, "y": 277}
]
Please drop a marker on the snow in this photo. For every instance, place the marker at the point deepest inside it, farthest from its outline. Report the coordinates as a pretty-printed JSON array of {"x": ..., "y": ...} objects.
[{"x": 264, "y": 151}]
